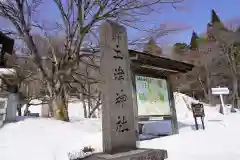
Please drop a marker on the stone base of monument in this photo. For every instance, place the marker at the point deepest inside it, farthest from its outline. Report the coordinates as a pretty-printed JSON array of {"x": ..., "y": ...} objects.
[{"x": 138, "y": 154}]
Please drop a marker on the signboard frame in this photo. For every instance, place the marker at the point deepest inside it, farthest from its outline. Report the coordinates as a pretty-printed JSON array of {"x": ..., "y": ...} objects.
[
  {"x": 168, "y": 95},
  {"x": 173, "y": 116}
]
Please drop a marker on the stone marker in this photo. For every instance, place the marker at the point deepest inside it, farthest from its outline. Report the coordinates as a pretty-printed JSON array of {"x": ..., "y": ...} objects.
[
  {"x": 12, "y": 104},
  {"x": 118, "y": 115},
  {"x": 45, "y": 110},
  {"x": 118, "y": 118},
  {"x": 10, "y": 101}
]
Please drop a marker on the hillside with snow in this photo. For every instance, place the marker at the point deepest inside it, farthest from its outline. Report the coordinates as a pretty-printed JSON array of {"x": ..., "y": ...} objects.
[{"x": 48, "y": 139}]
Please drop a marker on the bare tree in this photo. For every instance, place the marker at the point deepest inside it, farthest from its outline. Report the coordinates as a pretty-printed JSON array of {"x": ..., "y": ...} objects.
[
  {"x": 25, "y": 80},
  {"x": 79, "y": 20},
  {"x": 228, "y": 42}
]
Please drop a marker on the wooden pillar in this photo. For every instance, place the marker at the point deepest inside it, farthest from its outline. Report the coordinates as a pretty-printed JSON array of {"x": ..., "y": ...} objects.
[{"x": 173, "y": 107}]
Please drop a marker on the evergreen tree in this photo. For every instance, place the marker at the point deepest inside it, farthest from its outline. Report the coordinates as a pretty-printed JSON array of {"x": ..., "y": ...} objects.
[
  {"x": 152, "y": 48},
  {"x": 180, "y": 48},
  {"x": 194, "y": 41},
  {"x": 215, "y": 18}
]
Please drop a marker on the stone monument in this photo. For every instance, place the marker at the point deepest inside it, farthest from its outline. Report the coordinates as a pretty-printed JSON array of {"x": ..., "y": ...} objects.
[
  {"x": 118, "y": 122},
  {"x": 8, "y": 99},
  {"x": 118, "y": 119}
]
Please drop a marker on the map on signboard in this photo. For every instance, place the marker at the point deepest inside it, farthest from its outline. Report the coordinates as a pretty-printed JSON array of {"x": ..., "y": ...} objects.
[{"x": 152, "y": 96}]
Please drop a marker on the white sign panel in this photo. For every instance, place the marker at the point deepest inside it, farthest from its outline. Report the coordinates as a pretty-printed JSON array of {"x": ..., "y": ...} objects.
[
  {"x": 152, "y": 96},
  {"x": 218, "y": 91}
]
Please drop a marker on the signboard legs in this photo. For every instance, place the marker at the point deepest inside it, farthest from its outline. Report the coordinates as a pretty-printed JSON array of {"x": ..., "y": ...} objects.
[
  {"x": 173, "y": 107},
  {"x": 203, "y": 125},
  {"x": 196, "y": 124}
]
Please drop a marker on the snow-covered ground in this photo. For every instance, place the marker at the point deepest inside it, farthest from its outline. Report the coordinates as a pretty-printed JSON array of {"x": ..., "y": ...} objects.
[{"x": 47, "y": 139}]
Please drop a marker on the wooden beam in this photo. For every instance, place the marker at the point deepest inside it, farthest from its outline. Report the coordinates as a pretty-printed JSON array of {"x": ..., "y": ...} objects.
[{"x": 160, "y": 62}]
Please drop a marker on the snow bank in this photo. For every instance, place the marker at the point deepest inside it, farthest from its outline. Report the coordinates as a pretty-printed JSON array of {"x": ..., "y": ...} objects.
[
  {"x": 185, "y": 116},
  {"x": 52, "y": 140},
  {"x": 219, "y": 142},
  {"x": 75, "y": 108},
  {"x": 36, "y": 108},
  {"x": 184, "y": 111},
  {"x": 48, "y": 139}
]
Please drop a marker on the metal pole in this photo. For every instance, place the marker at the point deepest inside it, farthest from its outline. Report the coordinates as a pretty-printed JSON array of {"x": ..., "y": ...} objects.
[
  {"x": 221, "y": 98},
  {"x": 222, "y": 104}
]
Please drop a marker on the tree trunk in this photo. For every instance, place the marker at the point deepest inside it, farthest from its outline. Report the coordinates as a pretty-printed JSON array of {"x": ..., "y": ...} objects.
[
  {"x": 92, "y": 113},
  {"x": 235, "y": 93},
  {"x": 19, "y": 111},
  {"x": 208, "y": 79},
  {"x": 233, "y": 65},
  {"x": 82, "y": 99},
  {"x": 209, "y": 90},
  {"x": 234, "y": 104},
  {"x": 205, "y": 92},
  {"x": 60, "y": 107},
  {"x": 85, "y": 109},
  {"x": 26, "y": 111},
  {"x": 50, "y": 114},
  {"x": 89, "y": 105},
  {"x": 89, "y": 99},
  {"x": 210, "y": 101}
]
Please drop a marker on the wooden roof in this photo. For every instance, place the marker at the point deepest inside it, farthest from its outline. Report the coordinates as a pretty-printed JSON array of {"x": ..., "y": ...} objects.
[{"x": 154, "y": 64}]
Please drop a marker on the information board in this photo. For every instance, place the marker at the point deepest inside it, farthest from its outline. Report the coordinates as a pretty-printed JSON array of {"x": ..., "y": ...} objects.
[
  {"x": 152, "y": 96},
  {"x": 198, "y": 110}
]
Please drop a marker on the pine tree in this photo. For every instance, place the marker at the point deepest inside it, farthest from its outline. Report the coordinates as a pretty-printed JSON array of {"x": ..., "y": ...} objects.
[
  {"x": 215, "y": 21},
  {"x": 194, "y": 41},
  {"x": 152, "y": 48},
  {"x": 180, "y": 48},
  {"x": 215, "y": 18}
]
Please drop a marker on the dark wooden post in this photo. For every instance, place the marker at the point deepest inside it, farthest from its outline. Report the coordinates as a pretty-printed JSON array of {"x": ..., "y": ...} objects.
[
  {"x": 203, "y": 123},
  {"x": 135, "y": 105},
  {"x": 172, "y": 106},
  {"x": 2, "y": 61},
  {"x": 196, "y": 124}
]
